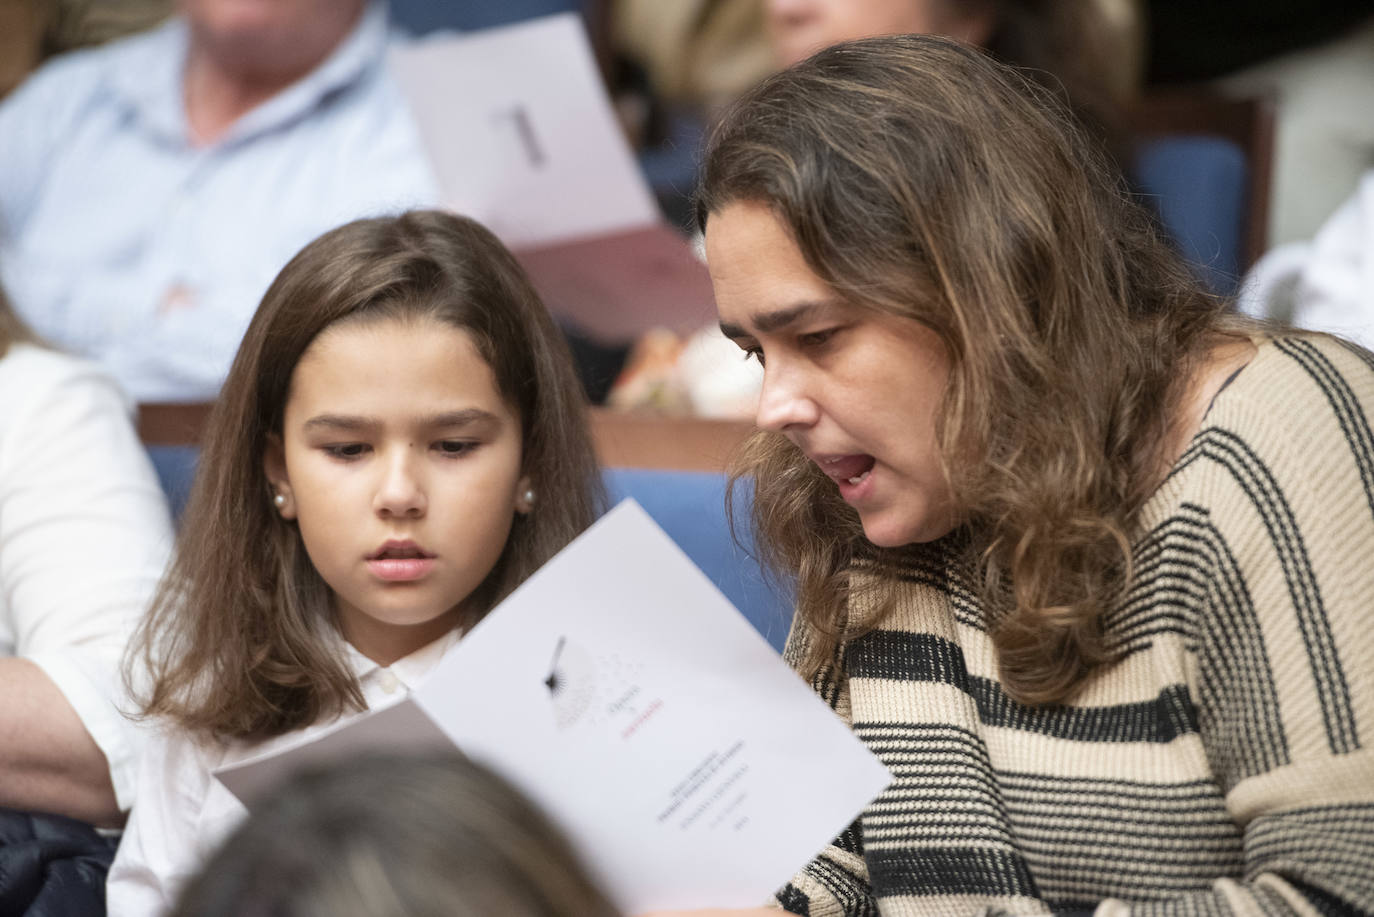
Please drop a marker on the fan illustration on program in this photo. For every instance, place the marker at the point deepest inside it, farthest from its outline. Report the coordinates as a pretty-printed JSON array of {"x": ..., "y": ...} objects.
[{"x": 571, "y": 682}]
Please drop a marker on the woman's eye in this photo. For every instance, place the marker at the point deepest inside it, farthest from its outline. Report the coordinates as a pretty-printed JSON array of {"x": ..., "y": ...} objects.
[
  {"x": 346, "y": 450},
  {"x": 816, "y": 338},
  {"x": 753, "y": 353},
  {"x": 455, "y": 446}
]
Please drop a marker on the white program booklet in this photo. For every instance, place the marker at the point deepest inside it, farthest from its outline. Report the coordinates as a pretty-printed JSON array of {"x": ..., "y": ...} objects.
[
  {"x": 522, "y": 137},
  {"x": 621, "y": 691}
]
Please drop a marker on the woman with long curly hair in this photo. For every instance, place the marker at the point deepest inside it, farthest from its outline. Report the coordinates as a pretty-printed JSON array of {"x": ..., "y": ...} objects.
[{"x": 1082, "y": 556}]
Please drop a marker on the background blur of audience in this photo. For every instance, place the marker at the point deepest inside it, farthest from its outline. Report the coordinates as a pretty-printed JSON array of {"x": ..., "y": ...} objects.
[
  {"x": 166, "y": 317},
  {"x": 1315, "y": 60},
  {"x": 1086, "y": 49},
  {"x": 1313, "y": 63},
  {"x": 160, "y": 160},
  {"x": 153, "y": 186}
]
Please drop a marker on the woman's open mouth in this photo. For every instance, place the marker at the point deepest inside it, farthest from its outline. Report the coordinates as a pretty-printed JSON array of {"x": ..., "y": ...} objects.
[
  {"x": 847, "y": 469},
  {"x": 850, "y": 473}
]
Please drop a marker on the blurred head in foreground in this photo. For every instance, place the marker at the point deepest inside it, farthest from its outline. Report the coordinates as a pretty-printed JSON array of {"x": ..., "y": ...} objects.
[{"x": 395, "y": 836}]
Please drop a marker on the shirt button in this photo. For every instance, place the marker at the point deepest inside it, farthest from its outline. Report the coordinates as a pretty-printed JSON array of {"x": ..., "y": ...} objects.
[{"x": 389, "y": 682}]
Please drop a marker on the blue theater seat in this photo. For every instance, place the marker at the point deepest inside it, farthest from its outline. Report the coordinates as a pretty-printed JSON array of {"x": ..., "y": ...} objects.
[
  {"x": 1200, "y": 186},
  {"x": 176, "y": 469},
  {"x": 1207, "y": 162},
  {"x": 690, "y": 506}
]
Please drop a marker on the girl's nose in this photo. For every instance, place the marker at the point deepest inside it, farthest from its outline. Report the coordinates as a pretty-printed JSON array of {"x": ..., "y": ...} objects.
[{"x": 401, "y": 492}]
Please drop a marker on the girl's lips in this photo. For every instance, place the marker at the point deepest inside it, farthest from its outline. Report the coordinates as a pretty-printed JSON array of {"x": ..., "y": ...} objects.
[
  {"x": 399, "y": 549},
  {"x": 400, "y": 569}
]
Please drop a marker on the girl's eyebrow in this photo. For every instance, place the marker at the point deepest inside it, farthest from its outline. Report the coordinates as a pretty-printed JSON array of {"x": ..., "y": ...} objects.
[
  {"x": 459, "y": 418},
  {"x": 356, "y": 423},
  {"x": 344, "y": 422}
]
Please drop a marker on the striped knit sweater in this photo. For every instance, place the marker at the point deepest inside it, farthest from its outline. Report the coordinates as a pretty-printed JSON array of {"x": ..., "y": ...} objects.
[{"x": 1222, "y": 765}]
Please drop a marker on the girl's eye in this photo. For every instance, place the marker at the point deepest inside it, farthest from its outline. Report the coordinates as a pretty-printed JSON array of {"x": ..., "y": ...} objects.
[
  {"x": 455, "y": 446},
  {"x": 346, "y": 450},
  {"x": 753, "y": 353}
]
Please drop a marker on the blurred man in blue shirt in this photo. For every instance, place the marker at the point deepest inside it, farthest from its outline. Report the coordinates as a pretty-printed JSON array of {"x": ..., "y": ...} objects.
[{"x": 150, "y": 189}]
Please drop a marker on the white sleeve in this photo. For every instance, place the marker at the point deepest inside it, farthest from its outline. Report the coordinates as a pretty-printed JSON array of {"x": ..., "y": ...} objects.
[
  {"x": 1268, "y": 289},
  {"x": 84, "y": 538},
  {"x": 1336, "y": 290},
  {"x": 160, "y": 847}
]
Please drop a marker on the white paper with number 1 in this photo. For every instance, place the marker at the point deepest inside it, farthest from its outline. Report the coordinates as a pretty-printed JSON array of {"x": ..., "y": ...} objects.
[
  {"x": 522, "y": 137},
  {"x": 621, "y": 690}
]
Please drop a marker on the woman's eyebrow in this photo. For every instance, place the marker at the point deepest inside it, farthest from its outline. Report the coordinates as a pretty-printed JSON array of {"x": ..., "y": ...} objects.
[{"x": 776, "y": 320}]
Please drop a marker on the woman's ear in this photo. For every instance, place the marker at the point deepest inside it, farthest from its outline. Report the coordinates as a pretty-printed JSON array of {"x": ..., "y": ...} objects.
[
  {"x": 524, "y": 495},
  {"x": 274, "y": 467}
]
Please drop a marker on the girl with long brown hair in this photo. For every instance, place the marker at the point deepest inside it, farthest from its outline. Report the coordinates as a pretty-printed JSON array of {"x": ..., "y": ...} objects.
[
  {"x": 1082, "y": 557},
  {"x": 401, "y": 441}
]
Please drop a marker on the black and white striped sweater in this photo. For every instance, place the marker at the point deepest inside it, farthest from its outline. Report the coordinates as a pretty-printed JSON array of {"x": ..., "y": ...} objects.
[{"x": 1223, "y": 765}]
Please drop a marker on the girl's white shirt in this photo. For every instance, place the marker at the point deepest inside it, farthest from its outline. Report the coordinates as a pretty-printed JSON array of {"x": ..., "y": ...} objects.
[
  {"x": 84, "y": 538},
  {"x": 183, "y": 813}
]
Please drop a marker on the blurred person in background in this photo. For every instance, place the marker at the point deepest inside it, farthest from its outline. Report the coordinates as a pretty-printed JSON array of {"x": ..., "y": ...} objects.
[
  {"x": 84, "y": 536},
  {"x": 1083, "y": 50},
  {"x": 432, "y": 835},
  {"x": 152, "y": 187},
  {"x": 697, "y": 54},
  {"x": 674, "y": 64}
]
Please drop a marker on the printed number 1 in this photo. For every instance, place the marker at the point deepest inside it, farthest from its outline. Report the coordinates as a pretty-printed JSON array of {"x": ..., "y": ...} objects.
[{"x": 524, "y": 133}]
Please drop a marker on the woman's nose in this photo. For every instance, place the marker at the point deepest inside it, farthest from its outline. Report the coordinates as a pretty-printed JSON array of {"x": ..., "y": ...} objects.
[
  {"x": 784, "y": 402},
  {"x": 401, "y": 491}
]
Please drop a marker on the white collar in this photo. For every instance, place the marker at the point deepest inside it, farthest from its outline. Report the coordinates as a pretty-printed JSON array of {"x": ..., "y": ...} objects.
[{"x": 410, "y": 670}]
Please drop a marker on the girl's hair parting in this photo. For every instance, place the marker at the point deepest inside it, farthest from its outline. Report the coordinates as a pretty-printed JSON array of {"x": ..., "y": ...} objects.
[
  {"x": 239, "y": 641},
  {"x": 922, "y": 179},
  {"x": 396, "y": 836}
]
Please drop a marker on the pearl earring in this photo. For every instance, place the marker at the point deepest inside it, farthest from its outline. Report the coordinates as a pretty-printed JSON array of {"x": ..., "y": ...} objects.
[
  {"x": 529, "y": 496},
  {"x": 280, "y": 500}
]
